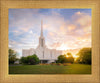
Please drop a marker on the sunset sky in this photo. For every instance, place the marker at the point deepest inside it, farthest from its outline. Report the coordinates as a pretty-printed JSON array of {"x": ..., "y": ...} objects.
[{"x": 63, "y": 28}]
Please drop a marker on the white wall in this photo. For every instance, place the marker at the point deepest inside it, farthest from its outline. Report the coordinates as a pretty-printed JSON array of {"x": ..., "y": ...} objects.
[{"x": 48, "y": 53}]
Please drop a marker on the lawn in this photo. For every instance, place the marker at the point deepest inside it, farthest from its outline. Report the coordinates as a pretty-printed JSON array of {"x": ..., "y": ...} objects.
[{"x": 50, "y": 69}]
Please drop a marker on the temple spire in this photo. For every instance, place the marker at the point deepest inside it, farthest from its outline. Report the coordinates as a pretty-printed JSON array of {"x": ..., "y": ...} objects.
[{"x": 42, "y": 28}]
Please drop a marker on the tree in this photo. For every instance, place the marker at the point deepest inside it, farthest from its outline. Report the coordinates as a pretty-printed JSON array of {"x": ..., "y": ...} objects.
[
  {"x": 65, "y": 59},
  {"x": 62, "y": 59},
  {"x": 32, "y": 59},
  {"x": 12, "y": 56},
  {"x": 70, "y": 58},
  {"x": 24, "y": 60},
  {"x": 85, "y": 56},
  {"x": 69, "y": 54}
]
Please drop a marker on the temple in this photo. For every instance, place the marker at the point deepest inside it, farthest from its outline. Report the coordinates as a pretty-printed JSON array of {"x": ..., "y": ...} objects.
[{"x": 45, "y": 54}]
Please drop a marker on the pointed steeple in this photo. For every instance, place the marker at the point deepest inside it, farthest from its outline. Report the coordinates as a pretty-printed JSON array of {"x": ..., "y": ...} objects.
[
  {"x": 42, "y": 28},
  {"x": 41, "y": 38}
]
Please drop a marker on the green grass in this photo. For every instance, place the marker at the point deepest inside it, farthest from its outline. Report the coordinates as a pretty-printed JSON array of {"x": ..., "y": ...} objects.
[{"x": 50, "y": 69}]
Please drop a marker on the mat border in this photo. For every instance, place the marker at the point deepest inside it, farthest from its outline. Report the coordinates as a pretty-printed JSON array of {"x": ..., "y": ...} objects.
[{"x": 6, "y": 4}]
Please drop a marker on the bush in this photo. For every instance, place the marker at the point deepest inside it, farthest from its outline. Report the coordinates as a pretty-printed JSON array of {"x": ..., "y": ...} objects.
[
  {"x": 65, "y": 64},
  {"x": 59, "y": 64},
  {"x": 53, "y": 63}
]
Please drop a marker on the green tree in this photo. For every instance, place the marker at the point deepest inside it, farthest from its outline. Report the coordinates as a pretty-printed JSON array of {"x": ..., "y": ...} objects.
[
  {"x": 66, "y": 58},
  {"x": 24, "y": 60},
  {"x": 70, "y": 58},
  {"x": 85, "y": 56},
  {"x": 12, "y": 56},
  {"x": 32, "y": 59},
  {"x": 62, "y": 59}
]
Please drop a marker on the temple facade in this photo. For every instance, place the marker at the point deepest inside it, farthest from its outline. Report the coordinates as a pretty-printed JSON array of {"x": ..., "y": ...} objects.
[{"x": 45, "y": 54}]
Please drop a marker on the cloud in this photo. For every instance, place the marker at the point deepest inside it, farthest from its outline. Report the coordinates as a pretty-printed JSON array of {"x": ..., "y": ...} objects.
[
  {"x": 78, "y": 27},
  {"x": 59, "y": 33},
  {"x": 71, "y": 27},
  {"x": 55, "y": 45},
  {"x": 82, "y": 19}
]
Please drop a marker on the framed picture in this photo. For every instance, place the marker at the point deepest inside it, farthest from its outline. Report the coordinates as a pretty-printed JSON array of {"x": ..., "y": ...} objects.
[{"x": 50, "y": 41}]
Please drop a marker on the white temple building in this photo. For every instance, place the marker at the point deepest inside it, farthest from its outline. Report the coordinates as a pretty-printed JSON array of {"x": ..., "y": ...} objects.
[{"x": 45, "y": 54}]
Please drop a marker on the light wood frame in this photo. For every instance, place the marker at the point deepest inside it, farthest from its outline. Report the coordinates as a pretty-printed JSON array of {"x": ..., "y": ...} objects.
[{"x": 68, "y": 78}]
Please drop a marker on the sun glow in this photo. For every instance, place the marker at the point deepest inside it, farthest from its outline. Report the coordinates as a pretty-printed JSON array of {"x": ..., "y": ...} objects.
[
  {"x": 75, "y": 56},
  {"x": 67, "y": 56}
]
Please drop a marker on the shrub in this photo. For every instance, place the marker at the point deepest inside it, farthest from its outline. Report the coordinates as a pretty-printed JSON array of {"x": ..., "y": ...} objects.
[
  {"x": 59, "y": 64},
  {"x": 53, "y": 63},
  {"x": 65, "y": 64}
]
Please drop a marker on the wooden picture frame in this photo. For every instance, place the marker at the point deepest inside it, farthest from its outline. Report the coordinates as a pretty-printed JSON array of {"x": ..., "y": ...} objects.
[{"x": 68, "y": 78}]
